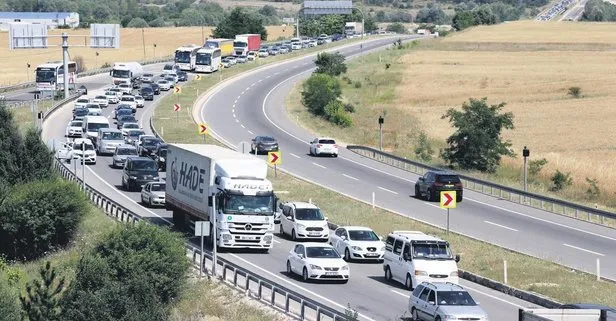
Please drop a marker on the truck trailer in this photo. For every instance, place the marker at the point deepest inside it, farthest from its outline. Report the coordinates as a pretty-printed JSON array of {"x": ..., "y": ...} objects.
[
  {"x": 353, "y": 28},
  {"x": 225, "y": 45},
  {"x": 224, "y": 187},
  {"x": 246, "y": 43},
  {"x": 127, "y": 73}
]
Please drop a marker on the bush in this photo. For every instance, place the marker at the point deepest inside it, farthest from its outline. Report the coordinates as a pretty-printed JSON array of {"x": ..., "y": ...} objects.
[
  {"x": 39, "y": 217},
  {"x": 330, "y": 63},
  {"x": 357, "y": 84},
  {"x": 106, "y": 65},
  {"x": 535, "y": 166},
  {"x": 575, "y": 92},
  {"x": 137, "y": 23},
  {"x": 157, "y": 23},
  {"x": 318, "y": 91},
  {"x": 396, "y": 27},
  {"x": 349, "y": 108},
  {"x": 424, "y": 150},
  {"x": 81, "y": 64},
  {"x": 593, "y": 190},
  {"x": 41, "y": 301},
  {"x": 560, "y": 181},
  {"x": 335, "y": 113}
]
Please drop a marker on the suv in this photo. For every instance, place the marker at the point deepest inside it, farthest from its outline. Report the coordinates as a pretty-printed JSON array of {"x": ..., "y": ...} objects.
[
  {"x": 444, "y": 301},
  {"x": 412, "y": 257},
  {"x": 323, "y": 145},
  {"x": 161, "y": 155},
  {"x": 303, "y": 221},
  {"x": 137, "y": 172},
  {"x": 433, "y": 183}
]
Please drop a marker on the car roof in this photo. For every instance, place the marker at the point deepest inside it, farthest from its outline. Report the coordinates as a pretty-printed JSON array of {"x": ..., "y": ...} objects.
[
  {"x": 415, "y": 236},
  {"x": 109, "y": 130},
  {"x": 319, "y": 138},
  {"x": 315, "y": 244},
  {"x": 443, "y": 286},
  {"x": 141, "y": 158},
  {"x": 265, "y": 136},
  {"x": 298, "y": 204},
  {"x": 127, "y": 146},
  {"x": 355, "y": 228},
  {"x": 82, "y": 140}
]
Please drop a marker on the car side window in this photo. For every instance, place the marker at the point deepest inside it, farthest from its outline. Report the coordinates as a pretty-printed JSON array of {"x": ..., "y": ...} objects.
[
  {"x": 299, "y": 249},
  {"x": 339, "y": 232},
  {"x": 424, "y": 295},
  {"x": 389, "y": 244},
  {"x": 432, "y": 296},
  {"x": 398, "y": 247},
  {"x": 407, "y": 249},
  {"x": 418, "y": 290}
]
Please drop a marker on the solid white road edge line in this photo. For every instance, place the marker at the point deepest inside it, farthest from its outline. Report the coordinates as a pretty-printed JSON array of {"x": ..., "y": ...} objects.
[
  {"x": 501, "y": 226},
  {"x": 298, "y": 286},
  {"x": 585, "y": 250}
]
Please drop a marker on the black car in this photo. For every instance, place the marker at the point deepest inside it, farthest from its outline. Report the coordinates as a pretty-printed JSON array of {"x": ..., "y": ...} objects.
[
  {"x": 137, "y": 172},
  {"x": 433, "y": 183},
  {"x": 147, "y": 93},
  {"x": 161, "y": 156},
  {"x": 80, "y": 113},
  {"x": 133, "y": 135},
  {"x": 148, "y": 146},
  {"x": 262, "y": 144},
  {"x": 122, "y": 112},
  {"x": 125, "y": 119},
  {"x": 82, "y": 90},
  {"x": 155, "y": 87},
  {"x": 182, "y": 76}
]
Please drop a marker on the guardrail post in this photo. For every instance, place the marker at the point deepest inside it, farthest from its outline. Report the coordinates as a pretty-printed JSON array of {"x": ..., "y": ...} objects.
[
  {"x": 598, "y": 269},
  {"x": 235, "y": 277},
  {"x": 286, "y": 302},
  {"x": 247, "y": 283},
  {"x": 273, "y": 296},
  {"x": 319, "y": 314},
  {"x": 302, "y": 309},
  {"x": 259, "y": 289},
  {"x": 224, "y": 271}
]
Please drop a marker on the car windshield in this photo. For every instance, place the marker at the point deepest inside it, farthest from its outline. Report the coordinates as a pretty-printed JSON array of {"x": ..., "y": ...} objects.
[
  {"x": 123, "y": 112},
  {"x": 92, "y": 106},
  {"x": 150, "y": 142},
  {"x": 158, "y": 187},
  {"x": 80, "y": 146},
  {"x": 454, "y": 298},
  {"x": 126, "y": 151},
  {"x": 110, "y": 93},
  {"x": 144, "y": 165},
  {"x": 363, "y": 235},
  {"x": 127, "y": 119},
  {"x": 130, "y": 125},
  {"x": 100, "y": 97},
  {"x": 76, "y": 124},
  {"x": 266, "y": 139},
  {"x": 81, "y": 112},
  {"x": 135, "y": 133},
  {"x": 94, "y": 127},
  {"x": 112, "y": 136},
  {"x": 431, "y": 251},
  {"x": 448, "y": 178},
  {"x": 128, "y": 98},
  {"x": 308, "y": 214},
  {"x": 322, "y": 252},
  {"x": 247, "y": 204},
  {"x": 327, "y": 141}
]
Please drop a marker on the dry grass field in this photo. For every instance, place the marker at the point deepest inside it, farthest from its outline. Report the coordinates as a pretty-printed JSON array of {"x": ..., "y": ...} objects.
[
  {"x": 505, "y": 64},
  {"x": 13, "y": 62}
]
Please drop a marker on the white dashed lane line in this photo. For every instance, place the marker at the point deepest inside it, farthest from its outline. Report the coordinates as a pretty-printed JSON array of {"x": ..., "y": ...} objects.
[
  {"x": 242, "y": 126},
  {"x": 501, "y": 226},
  {"x": 294, "y": 155},
  {"x": 387, "y": 190},
  {"x": 583, "y": 250},
  {"x": 251, "y": 133},
  {"x": 350, "y": 177},
  {"x": 315, "y": 164}
]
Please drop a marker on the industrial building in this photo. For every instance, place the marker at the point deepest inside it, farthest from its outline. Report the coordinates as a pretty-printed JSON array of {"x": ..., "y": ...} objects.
[{"x": 52, "y": 19}]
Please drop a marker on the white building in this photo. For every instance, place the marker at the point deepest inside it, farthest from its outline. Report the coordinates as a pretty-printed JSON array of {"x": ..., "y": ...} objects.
[{"x": 52, "y": 19}]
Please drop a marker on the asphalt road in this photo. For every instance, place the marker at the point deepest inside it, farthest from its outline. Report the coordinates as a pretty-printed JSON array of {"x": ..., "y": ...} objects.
[
  {"x": 366, "y": 291},
  {"x": 254, "y": 106}
]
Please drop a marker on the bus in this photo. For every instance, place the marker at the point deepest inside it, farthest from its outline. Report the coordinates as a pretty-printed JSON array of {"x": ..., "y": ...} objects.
[
  {"x": 50, "y": 76},
  {"x": 185, "y": 57},
  {"x": 208, "y": 60}
]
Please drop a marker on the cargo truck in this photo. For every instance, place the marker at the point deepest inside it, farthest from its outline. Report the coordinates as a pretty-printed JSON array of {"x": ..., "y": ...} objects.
[
  {"x": 216, "y": 184},
  {"x": 246, "y": 43},
  {"x": 127, "y": 73},
  {"x": 225, "y": 45}
]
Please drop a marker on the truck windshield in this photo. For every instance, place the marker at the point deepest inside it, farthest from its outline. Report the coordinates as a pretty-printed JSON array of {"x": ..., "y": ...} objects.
[
  {"x": 182, "y": 56},
  {"x": 120, "y": 73},
  {"x": 238, "y": 44},
  {"x": 112, "y": 136},
  {"x": 244, "y": 204},
  {"x": 45, "y": 75},
  {"x": 431, "y": 251},
  {"x": 203, "y": 59},
  {"x": 93, "y": 127}
]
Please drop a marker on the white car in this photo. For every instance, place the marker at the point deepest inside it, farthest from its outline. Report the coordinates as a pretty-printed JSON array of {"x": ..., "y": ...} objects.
[
  {"x": 153, "y": 194},
  {"x": 94, "y": 109},
  {"x": 129, "y": 100},
  {"x": 112, "y": 97},
  {"x": 317, "y": 261},
  {"x": 128, "y": 126},
  {"x": 358, "y": 243},
  {"x": 171, "y": 79},
  {"x": 323, "y": 145},
  {"x": 101, "y": 100},
  {"x": 147, "y": 78},
  {"x": 117, "y": 91},
  {"x": 163, "y": 84},
  {"x": 302, "y": 220},
  {"x": 77, "y": 153},
  {"x": 243, "y": 59},
  {"x": 232, "y": 60},
  {"x": 263, "y": 53},
  {"x": 73, "y": 129},
  {"x": 81, "y": 102},
  {"x": 140, "y": 101},
  {"x": 125, "y": 88}
]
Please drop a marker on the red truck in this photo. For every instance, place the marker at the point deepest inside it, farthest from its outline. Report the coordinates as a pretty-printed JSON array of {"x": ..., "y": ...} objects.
[{"x": 246, "y": 43}]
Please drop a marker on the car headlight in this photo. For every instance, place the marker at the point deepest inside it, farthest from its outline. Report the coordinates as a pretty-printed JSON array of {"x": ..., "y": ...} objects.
[
  {"x": 315, "y": 267},
  {"x": 356, "y": 248},
  {"x": 301, "y": 226},
  {"x": 419, "y": 272},
  {"x": 454, "y": 273},
  {"x": 162, "y": 159},
  {"x": 344, "y": 268},
  {"x": 132, "y": 177},
  {"x": 383, "y": 249},
  {"x": 156, "y": 177}
]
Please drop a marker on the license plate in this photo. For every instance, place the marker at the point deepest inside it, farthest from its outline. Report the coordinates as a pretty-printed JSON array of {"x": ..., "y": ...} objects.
[
  {"x": 331, "y": 273},
  {"x": 372, "y": 254},
  {"x": 315, "y": 233},
  {"x": 448, "y": 185},
  {"x": 248, "y": 238}
]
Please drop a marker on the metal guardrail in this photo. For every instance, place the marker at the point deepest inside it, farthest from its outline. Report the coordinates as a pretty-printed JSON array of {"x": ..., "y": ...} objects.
[
  {"x": 84, "y": 74},
  {"x": 545, "y": 203}
]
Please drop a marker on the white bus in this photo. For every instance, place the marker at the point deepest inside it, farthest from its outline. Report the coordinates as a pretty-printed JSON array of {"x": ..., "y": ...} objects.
[
  {"x": 185, "y": 57},
  {"x": 50, "y": 76},
  {"x": 208, "y": 60}
]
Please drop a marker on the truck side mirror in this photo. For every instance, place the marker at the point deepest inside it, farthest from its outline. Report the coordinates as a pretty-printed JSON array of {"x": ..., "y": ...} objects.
[
  {"x": 405, "y": 256},
  {"x": 280, "y": 206},
  {"x": 457, "y": 258}
]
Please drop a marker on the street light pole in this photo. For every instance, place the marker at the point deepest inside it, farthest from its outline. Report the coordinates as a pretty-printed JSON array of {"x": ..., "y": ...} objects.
[
  {"x": 83, "y": 166},
  {"x": 381, "y": 121}
]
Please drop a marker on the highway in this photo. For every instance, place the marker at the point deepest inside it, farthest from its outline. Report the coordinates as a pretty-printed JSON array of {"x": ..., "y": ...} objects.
[{"x": 366, "y": 290}]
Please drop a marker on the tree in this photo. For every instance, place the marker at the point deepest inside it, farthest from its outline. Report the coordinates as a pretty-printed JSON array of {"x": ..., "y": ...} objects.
[
  {"x": 80, "y": 64},
  {"x": 424, "y": 150},
  {"x": 268, "y": 10},
  {"x": 463, "y": 20},
  {"x": 431, "y": 15},
  {"x": 240, "y": 22},
  {"x": 9, "y": 302},
  {"x": 318, "y": 91},
  {"x": 38, "y": 217},
  {"x": 41, "y": 302},
  {"x": 157, "y": 23},
  {"x": 11, "y": 144},
  {"x": 560, "y": 180},
  {"x": 37, "y": 163},
  {"x": 191, "y": 17},
  {"x": 370, "y": 25},
  {"x": 335, "y": 112},
  {"x": 330, "y": 63},
  {"x": 137, "y": 23},
  {"x": 477, "y": 143},
  {"x": 396, "y": 27},
  {"x": 133, "y": 274}
]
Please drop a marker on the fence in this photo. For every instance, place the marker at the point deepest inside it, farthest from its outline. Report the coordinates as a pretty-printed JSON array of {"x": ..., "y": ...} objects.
[
  {"x": 552, "y": 205},
  {"x": 564, "y": 315}
]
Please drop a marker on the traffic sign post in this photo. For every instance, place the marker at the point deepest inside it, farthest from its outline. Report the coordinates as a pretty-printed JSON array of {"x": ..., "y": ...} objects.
[
  {"x": 274, "y": 159},
  {"x": 203, "y": 130},
  {"x": 176, "y": 109},
  {"x": 448, "y": 200},
  {"x": 197, "y": 77},
  {"x": 202, "y": 228}
]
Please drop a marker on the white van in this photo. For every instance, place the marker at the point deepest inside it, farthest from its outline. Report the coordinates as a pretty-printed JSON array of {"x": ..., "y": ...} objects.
[
  {"x": 412, "y": 257},
  {"x": 91, "y": 125}
]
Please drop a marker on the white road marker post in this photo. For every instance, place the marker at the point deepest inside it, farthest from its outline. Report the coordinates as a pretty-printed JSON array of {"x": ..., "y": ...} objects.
[
  {"x": 373, "y": 200},
  {"x": 598, "y": 269},
  {"x": 505, "y": 271}
]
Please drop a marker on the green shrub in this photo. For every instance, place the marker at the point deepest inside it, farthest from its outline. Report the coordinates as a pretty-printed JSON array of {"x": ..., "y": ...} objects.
[
  {"x": 560, "y": 180},
  {"x": 335, "y": 113},
  {"x": 349, "y": 108},
  {"x": 318, "y": 91},
  {"x": 357, "y": 84}
]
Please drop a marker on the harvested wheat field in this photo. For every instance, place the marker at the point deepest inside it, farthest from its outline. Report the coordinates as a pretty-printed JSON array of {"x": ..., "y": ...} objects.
[
  {"x": 13, "y": 62},
  {"x": 574, "y": 134}
]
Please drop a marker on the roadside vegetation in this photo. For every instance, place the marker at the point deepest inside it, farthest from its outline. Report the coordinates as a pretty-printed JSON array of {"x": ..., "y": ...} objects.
[{"x": 524, "y": 272}]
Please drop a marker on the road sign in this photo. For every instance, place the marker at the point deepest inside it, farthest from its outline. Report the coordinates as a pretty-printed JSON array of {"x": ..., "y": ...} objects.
[
  {"x": 197, "y": 77},
  {"x": 202, "y": 228},
  {"x": 448, "y": 199},
  {"x": 274, "y": 158},
  {"x": 202, "y": 129},
  {"x": 176, "y": 107},
  {"x": 177, "y": 90}
]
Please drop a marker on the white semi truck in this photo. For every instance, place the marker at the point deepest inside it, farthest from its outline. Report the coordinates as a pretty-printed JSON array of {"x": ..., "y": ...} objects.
[
  {"x": 207, "y": 181},
  {"x": 127, "y": 73}
]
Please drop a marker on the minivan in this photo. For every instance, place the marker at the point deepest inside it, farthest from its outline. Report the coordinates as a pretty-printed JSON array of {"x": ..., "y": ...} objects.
[
  {"x": 108, "y": 140},
  {"x": 138, "y": 171},
  {"x": 91, "y": 125}
]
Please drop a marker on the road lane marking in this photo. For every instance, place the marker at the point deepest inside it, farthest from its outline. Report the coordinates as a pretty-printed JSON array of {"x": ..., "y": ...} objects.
[
  {"x": 315, "y": 164},
  {"x": 267, "y": 76},
  {"x": 242, "y": 126},
  {"x": 493, "y": 297},
  {"x": 242, "y": 92},
  {"x": 387, "y": 190},
  {"x": 236, "y": 120},
  {"x": 303, "y": 289},
  {"x": 294, "y": 155},
  {"x": 251, "y": 133},
  {"x": 351, "y": 177},
  {"x": 501, "y": 226},
  {"x": 235, "y": 102},
  {"x": 581, "y": 249},
  {"x": 399, "y": 293},
  {"x": 260, "y": 80},
  {"x": 234, "y": 115}
]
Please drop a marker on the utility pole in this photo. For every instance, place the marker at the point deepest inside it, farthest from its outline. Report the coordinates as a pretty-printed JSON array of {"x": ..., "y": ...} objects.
[
  {"x": 65, "y": 62},
  {"x": 83, "y": 166}
]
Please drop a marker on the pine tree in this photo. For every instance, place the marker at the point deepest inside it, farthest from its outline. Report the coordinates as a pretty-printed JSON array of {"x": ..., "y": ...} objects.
[{"x": 41, "y": 302}]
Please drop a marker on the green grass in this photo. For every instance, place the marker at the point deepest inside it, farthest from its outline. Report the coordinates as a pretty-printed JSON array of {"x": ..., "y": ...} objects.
[
  {"x": 478, "y": 257},
  {"x": 23, "y": 114}
]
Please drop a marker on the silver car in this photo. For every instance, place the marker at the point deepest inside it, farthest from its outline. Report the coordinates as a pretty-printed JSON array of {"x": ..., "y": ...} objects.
[
  {"x": 108, "y": 140},
  {"x": 444, "y": 301},
  {"x": 153, "y": 194},
  {"x": 122, "y": 152}
]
